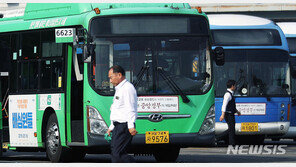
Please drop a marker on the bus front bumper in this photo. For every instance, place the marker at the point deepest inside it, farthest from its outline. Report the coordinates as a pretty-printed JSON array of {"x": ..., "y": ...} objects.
[
  {"x": 181, "y": 140},
  {"x": 291, "y": 134},
  {"x": 270, "y": 128}
]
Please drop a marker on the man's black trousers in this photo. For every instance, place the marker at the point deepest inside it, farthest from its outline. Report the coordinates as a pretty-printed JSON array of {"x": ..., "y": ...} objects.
[
  {"x": 230, "y": 120},
  {"x": 121, "y": 139}
]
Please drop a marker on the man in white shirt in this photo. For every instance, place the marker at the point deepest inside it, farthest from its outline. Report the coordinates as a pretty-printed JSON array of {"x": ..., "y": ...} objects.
[
  {"x": 228, "y": 111},
  {"x": 123, "y": 115}
]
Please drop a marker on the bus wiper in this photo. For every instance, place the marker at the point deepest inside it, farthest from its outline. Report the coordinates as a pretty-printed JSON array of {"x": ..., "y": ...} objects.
[
  {"x": 173, "y": 85},
  {"x": 141, "y": 74}
]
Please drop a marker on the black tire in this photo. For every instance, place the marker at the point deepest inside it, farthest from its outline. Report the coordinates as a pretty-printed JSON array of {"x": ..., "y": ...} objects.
[
  {"x": 54, "y": 151},
  {"x": 166, "y": 154}
]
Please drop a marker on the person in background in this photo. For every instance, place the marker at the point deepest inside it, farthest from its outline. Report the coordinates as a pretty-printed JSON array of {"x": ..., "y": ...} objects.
[{"x": 228, "y": 111}]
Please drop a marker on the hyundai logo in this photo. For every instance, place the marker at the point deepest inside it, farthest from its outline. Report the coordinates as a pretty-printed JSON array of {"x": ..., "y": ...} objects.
[{"x": 155, "y": 117}]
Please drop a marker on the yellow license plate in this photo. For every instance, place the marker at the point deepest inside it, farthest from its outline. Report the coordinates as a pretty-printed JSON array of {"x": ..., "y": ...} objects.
[
  {"x": 249, "y": 127},
  {"x": 157, "y": 137}
]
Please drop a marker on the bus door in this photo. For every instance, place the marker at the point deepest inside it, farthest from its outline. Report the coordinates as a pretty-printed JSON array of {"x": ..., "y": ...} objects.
[
  {"x": 77, "y": 97},
  {"x": 4, "y": 79}
]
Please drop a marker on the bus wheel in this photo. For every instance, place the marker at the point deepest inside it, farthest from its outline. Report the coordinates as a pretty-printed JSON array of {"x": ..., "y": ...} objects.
[
  {"x": 166, "y": 154},
  {"x": 55, "y": 152}
]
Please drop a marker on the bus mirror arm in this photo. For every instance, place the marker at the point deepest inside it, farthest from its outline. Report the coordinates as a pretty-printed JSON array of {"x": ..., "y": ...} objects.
[
  {"x": 84, "y": 39},
  {"x": 219, "y": 56}
]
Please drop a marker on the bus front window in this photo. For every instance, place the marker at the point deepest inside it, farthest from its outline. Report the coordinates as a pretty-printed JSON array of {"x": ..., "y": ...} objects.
[
  {"x": 152, "y": 63},
  {"x": 257, "y": 72}
]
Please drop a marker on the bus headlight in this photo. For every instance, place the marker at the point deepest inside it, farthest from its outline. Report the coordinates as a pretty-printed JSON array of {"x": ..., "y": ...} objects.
[
  {"x": 208, "y": 126},
  {"x": 96, "y": 123}
]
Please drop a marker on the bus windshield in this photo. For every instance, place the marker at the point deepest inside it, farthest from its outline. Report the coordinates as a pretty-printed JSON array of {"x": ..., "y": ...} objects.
[
  {"x": 257, "y": 72},
  {"x": 161, "y": 54},
  {"x": 152, "y": 63}
]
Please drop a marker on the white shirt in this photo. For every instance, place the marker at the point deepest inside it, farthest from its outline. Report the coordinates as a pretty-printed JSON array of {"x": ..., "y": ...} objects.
[
  {"x": 226, "y": 99},
  {"x": 124, "y": 107}
]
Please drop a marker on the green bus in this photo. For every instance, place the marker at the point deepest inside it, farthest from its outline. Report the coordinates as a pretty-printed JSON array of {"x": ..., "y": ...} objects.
[{"x": 55, "y": 87}]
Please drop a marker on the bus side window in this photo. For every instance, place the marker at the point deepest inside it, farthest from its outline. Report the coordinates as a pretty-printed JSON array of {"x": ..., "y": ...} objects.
[
  {"x": 52, "y": 74},
  {"x": 57, "y": 74},
  {"x": 52, "y": 64},
  {"x": 13, "y": 75},
  {"x": 24, "y": 84},
  {"x": 30, "y": 45},
  {"x": 45, "y": 74},
  {"x": 28, "y": 55}
]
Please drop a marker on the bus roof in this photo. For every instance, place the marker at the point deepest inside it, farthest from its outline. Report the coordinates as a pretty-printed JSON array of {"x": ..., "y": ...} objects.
[
  {"x": 289, "y": 28},
  {"x": 237, "y": 21},
  {"x": 42, "y": 10},
  {"x": 233, "y": 20},
  {"x": 39, "y": 10},
  {"x": 41, "y": 15}
]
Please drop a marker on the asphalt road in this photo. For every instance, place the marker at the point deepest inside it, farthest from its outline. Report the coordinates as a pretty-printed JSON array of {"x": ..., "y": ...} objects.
[{"x": 187, "y": 155}]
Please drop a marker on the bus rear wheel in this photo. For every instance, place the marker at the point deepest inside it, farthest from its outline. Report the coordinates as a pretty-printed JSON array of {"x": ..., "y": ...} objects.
[
  {"x": 54, "y": 150},
  {"x": 166, "y": 154}
]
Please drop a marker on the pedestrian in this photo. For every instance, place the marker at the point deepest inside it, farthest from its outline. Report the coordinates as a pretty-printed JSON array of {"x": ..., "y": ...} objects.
[
  {"x": 228, "y": 111},
  {"x": 123, "y": 115}
]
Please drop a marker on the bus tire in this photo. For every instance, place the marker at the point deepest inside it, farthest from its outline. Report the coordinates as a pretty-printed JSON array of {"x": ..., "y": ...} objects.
[
  {"x": 54, "y": 150},
  {"x": 166, "y": 154}
]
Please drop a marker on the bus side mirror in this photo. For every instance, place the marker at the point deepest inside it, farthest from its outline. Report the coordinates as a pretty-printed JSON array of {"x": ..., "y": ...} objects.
[
  {"x": 219, "y": 56},
  {"x": 293, "y": 66},
  {"x": 89, "y": 52}
]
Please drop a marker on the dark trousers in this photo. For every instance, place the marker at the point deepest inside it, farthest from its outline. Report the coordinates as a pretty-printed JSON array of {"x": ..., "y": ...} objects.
[
  {"x": 121, "y": 139},
  {"x": 230, "y": 132},
  {"x": 230, "y": 119}
]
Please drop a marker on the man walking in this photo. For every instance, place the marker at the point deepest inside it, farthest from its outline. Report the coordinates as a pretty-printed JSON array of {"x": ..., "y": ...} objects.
[
  {"x": 229, "y": 109},
  {"x": 123, "y": 115}
]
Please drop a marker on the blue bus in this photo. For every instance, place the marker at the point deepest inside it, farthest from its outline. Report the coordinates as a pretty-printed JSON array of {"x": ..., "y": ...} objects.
[
  {"x": 289, "y": 29},
  {"x": 256, "y": 56}
]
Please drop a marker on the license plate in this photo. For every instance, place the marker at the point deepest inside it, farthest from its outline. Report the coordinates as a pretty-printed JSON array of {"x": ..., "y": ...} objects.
[
  {"x": 249, "y": 127},
  {"x": 157, "y": 137}
]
